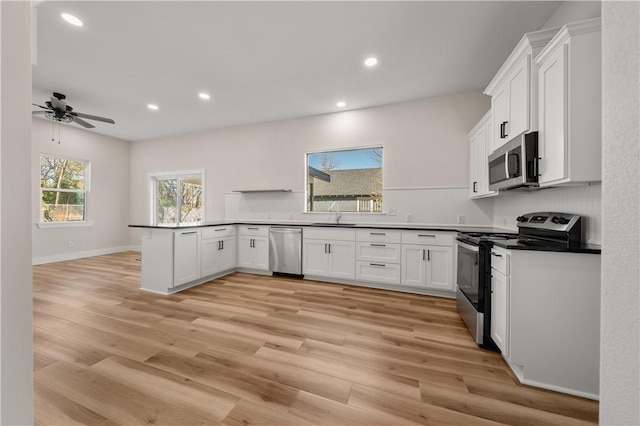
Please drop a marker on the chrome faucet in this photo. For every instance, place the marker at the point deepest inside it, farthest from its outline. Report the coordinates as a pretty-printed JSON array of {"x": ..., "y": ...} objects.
[{"x": 337, "y": 210}]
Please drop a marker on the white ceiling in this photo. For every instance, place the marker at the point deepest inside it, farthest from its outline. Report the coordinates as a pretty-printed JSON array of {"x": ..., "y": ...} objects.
[{"x": 264, "y": 61}]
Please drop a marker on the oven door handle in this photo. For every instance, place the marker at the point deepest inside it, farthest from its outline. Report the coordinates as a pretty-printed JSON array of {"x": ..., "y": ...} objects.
[{"x": 468, "y": 246}]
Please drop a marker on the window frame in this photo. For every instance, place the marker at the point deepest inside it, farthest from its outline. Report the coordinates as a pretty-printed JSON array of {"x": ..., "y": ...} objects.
[
  {"x": 154, "y": 177},
  {"x": 86, "y": 191},
  {"x": 330, "y": 150}
]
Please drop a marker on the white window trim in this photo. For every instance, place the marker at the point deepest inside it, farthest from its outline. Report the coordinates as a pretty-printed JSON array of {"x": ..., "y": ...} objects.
[
  {"x": 87, "y": 197},
  {"x": 152, "y": 177},
  {"x": 324, "y": 150}
]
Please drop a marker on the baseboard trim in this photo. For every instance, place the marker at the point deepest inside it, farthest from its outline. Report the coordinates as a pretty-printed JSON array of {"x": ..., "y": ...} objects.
[{"x": 81, "y": 254}]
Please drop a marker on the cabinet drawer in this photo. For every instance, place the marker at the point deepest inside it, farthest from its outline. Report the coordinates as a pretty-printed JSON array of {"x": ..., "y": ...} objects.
[
  {"x": 379, "y": 272},
  {"x": 378, "y": 236},
  {"x": 500, "y": 260},
  {"x": 218, "y": 231},
  {"x": 329, "y": 234},
  {"x": 254, "y": 231},
  {"x": 378, "y": 252},
  {"x": 431, "y": 238}
]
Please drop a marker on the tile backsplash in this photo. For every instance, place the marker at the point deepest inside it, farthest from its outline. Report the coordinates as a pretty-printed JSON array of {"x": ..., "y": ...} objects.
[
  {"x": 441, "y": 206},
  {"x": 583, "y": 200}
]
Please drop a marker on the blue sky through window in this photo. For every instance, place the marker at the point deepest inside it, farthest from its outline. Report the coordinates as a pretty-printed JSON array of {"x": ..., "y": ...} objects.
[{"x": 348, "y": 159}]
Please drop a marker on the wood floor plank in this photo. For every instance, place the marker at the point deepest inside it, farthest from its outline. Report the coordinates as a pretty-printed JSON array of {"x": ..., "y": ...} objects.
[
  {"x": 326, "y": 412},
  {"x": 52, "y": 408},
  {"x": 202, "y": 400},
  {"x": 418, "y": 412},
  {"x": 261, "y": 350},
  {"x": 276, "y": 371},
  {"x": 347, "y": 369},
  {"x": 218, "y": 376},
  {"x": 488, "y": 408},
  {"x": 111, "y": 399}
]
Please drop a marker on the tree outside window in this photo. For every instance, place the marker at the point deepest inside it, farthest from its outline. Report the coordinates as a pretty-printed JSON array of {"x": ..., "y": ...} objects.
[
  {"x": 177, "y": 199},
  {"x": 63, "y": 189}
]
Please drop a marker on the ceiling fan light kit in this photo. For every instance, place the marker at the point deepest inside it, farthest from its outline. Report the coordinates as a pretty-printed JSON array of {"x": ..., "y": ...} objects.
[{"x": 57, "y": 110}]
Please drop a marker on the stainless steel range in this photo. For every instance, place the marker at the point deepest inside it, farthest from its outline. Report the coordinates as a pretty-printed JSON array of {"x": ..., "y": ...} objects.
[{"x": 542, "y": 231}]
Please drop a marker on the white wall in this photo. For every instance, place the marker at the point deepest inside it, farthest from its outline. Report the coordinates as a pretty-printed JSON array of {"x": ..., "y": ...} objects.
[
  {"x": 16, "y": 358},
  {"x": 425, "y": 146},
  {"x": 573, "y": 11},
  {"x": 108, "y": 200},
  {"x": 620, "y": 321}
]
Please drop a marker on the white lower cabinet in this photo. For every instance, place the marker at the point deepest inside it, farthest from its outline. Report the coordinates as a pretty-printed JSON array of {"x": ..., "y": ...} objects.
[
  {"x": 546, "y": 318},
  {"x": 333, "y": 257},
  {"x": 500, "y": 300},
  {"x": 427, "y": 260},
  {"x": 186, "y": 257},
  {"x": 427, "y": 266},
  {"x": 253, "y": 247},
  {"x": 218, "y": 250},
  {"x": 378, "y": 255}
]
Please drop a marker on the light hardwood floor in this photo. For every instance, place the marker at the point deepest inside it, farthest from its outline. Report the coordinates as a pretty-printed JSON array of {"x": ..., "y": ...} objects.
[{"x": 249, "y": 349}]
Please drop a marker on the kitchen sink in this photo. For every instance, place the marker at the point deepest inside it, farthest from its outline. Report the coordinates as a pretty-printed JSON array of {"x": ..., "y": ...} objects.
[{"x": 333, "y": 224}]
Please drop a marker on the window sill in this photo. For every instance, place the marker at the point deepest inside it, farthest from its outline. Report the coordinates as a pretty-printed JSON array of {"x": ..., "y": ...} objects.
[{"x": 48, "y": 225}]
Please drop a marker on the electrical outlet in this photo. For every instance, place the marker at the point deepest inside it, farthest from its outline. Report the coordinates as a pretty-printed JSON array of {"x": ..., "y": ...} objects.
[
  {"x": 504, "y": 221},
  {"x": 409, "y": 217},
  {"x": 391, "y": 212},
  {"x": 268, "y": 215},
  {"x": 460, "y": 219},
  {"x": 290, "y": 216},
  {"x": 70, "y": 244}
]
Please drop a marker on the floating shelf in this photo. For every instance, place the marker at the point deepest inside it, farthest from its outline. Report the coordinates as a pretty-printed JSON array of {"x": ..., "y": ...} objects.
[{"x": 247, "y": 191}]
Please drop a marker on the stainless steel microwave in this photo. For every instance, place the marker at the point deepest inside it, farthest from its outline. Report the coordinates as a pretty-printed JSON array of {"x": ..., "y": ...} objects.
[{"x": 515, "y": 164}]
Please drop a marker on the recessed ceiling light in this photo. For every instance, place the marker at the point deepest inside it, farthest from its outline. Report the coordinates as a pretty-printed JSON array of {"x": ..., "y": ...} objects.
[
  {"x": 204, "y": 96},
  {"x": 152, "y": 106},
  {"x": 370, "y": 62},
  {"x": 341, "y": 104},
  {"x": 73, "y": 20}
]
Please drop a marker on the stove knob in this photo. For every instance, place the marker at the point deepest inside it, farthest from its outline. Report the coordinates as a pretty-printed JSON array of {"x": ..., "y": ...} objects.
[
  {"x": 560, "y": 220},
  {"x": 521, "y": 219}
]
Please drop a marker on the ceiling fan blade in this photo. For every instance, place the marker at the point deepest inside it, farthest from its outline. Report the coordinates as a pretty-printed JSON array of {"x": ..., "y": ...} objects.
[
  {"x": 83, "y": 123},
  {"x": 43, "y": 107},
  {"x": 92, "y": 117}
]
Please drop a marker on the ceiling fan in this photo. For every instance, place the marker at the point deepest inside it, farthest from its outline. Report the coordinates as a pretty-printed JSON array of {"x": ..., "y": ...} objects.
[{"x": 58, "y": 110}]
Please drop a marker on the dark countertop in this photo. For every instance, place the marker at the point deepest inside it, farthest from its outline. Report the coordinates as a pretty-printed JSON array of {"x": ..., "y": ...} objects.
[
  {"x": 513, "y": 244},
  {"x": 398, "y": 226},
  {"x": 535, "y": 245}
]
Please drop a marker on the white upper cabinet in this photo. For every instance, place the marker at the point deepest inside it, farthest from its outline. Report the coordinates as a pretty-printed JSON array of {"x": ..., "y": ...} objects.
[
  {"x": 570, "y": 105},
  {"x": 513, "y": 91},
  {"x": 480, "y": 138}
]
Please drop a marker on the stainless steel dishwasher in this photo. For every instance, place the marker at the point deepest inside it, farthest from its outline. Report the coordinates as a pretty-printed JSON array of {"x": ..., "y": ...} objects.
[{"x": 285, "y": 251}]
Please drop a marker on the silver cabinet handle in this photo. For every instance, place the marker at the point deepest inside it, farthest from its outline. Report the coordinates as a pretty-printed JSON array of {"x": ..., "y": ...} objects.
[
  {"x": 187, "y": 233},
  {"x": 218, "y": 230},
  {"x": 426, "y": 235},
  {"x": 377, "y": 233},
  {"x": 378, "y": 264},
  {"x": 423, "y": 253},
  {"x": 253, "y": 229},
  {"x": 378, "y": 245},
  {"x": 325, "y": 247},
  {"x": 429, "y": 255},
  {"x": 493, "y": 253}
]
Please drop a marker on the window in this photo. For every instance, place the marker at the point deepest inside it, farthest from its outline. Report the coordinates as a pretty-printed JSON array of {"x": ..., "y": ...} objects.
[
  {"x": 347, "y": 180},
  {"x": 64, "y": 185},
  {"x": 177, "y": 198}
]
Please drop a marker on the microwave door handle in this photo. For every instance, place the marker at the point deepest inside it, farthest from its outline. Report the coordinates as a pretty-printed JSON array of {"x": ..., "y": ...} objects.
[{"x": 506, "y": 165}]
